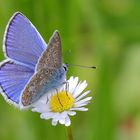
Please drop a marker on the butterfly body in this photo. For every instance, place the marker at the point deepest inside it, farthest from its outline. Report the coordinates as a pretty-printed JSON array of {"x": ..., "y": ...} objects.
[{"x": 32, "y": 67}]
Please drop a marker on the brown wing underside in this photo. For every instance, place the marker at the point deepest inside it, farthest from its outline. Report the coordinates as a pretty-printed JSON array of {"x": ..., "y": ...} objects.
[
  {"x": 51, "y": 57},
  {"x": 33, "y": 90}
]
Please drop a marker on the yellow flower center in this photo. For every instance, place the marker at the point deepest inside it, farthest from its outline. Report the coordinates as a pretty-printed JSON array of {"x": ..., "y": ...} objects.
[{"x": 61, "y": 101}]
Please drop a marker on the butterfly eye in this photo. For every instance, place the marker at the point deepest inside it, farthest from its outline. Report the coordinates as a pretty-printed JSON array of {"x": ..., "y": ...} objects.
[{"x": 65, "y": 67}]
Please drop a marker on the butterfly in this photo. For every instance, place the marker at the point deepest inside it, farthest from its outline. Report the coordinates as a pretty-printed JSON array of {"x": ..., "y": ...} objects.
[{"x": 32, "y": 67}]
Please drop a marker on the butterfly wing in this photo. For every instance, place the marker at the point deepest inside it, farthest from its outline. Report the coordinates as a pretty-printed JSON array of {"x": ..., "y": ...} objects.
[
  {"x": 13, "y": 78},
  {"x": 51, "y": 57},
  {"x": 22, "y": 42},
  {"x": 49, "y": 74}
]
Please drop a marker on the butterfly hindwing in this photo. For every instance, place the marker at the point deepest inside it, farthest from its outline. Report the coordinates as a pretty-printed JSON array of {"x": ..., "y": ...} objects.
[
  {"x": 39, "y": 84},
  {"x": 22, "y": 42},
  {"x": 13, "y": 78}
]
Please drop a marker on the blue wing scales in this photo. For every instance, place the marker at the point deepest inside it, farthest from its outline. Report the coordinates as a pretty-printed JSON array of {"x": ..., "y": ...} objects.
[
  {"x": 13, "y": 78},
  {"x": 22, "y": 42}
]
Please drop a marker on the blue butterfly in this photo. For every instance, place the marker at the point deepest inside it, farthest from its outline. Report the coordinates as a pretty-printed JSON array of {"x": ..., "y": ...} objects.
[{"x": 32, "y": 68}]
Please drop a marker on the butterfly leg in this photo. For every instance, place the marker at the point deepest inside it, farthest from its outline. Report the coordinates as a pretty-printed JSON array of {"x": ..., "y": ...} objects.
[
  {"x": 66, "y": 87},
  {"x": 47, "y": 100},
  {"x": 58, "y": 97}
]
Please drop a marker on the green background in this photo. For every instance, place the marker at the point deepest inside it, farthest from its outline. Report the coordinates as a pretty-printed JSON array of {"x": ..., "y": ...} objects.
[{"x": 105, "y": 33}]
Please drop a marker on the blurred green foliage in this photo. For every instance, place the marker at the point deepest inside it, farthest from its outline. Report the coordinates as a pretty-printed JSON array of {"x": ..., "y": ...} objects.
[{"x": 104, "y": 33}]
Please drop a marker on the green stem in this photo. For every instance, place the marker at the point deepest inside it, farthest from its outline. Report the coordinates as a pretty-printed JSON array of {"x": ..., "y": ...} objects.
[{"x": 69, "y": 133}]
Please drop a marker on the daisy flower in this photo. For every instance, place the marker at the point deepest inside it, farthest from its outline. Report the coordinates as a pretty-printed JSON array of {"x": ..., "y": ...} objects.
[{"x": 63, "y": 102}]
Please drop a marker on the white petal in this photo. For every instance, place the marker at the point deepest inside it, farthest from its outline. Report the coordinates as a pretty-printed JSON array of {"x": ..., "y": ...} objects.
[
  {"x": 71, "y": 79},
  {"x": 48, "y": 115},
  {"x": 50, "y": 95},
  {"x": 45, "y": 116},
  {"x": 73, "y": 84},
  {"x": 62, "y": 121},
  {"x": 62, "y": 117},
  {"x": 82, "y": 95},
  {"x": 34, "y": 109},
  {"x": 67, "y": 121},
  {"x": 64, "y": 114},
  {"x": 83, "y": 100},
  {"x": 44, "y": 98},
  {"x": 71, "y": 113},
  {"x": 81, "y": 105},
  {"x": 80, "y": 109},
  {"x": 54, "y": 122},
  {"x": 79, "y": 89},
  {"x": 56, "y": 118},
  {"x": 41, "y": 108},
  {"x": 38, "y": 103}
]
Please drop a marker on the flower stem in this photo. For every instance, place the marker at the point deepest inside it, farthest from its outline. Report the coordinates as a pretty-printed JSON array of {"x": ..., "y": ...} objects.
[{"x": 69, "y": 133}]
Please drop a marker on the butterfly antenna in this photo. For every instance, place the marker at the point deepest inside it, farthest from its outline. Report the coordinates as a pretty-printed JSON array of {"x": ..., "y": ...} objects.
[{"x": 75, "y": 65}]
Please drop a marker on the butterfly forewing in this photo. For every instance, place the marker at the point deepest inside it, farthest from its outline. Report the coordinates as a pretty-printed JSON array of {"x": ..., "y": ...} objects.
[
  {"x": 22, "y": 42},
  {"x": 51, "y": 57}
]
